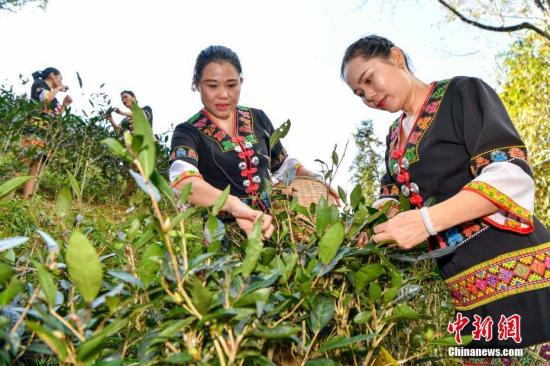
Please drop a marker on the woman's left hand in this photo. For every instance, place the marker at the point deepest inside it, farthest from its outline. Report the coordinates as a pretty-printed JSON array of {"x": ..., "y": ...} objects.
[
  {"x": 67, "y": 101},
  {"x": 406, "y": 229}
]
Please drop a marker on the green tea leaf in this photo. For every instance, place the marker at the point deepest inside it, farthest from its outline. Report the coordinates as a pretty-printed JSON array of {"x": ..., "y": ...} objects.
[
  {"x": 47, "y": 283},
  {"x": 163, "y": 186},
  {"x": 146, "y": 157},
  {"x": 322, "y": 216},
  {"x": 13, "y": 184},
  {"x": 11, "y": 290},
  {"x": 5, "y": 272},
  {"x": 330, "y": 242},
  {"x": 201, "y": 296},
  {"x": 93, "y": 345},
  {"x": 368, "y": 273},
  {"x": 341, "y": 342},
  {"x": 403, "y": 312},
  {"x": 362, "y": 317},
  {"x": 220, "y": 201},
  {"x": 342, "y": 194},
  {"x": 261, "y": 295},
  {"x": 334, "y": 157},
  {"x": 390, "y": 294},
  {"x": 63, "y": 202},
  {"x": 356, "y": 196},
  {"x": 150, "y": 263},
  {"x": 146, "y": 186},
  {"x": 84, "y": 266},
  {"x": 279, "y": 332},
  {"x": 321, "y": 313},
  {"x": 279, "y": 133},
  {"x": 74, "y": 184},
  {"x": 116, "y": 148},
  {"x": 147, "y": 149},
  {"x": 374, "y": 291},
  {"x": 56, "y": 345},
  {"x": 252, "y": 251}
]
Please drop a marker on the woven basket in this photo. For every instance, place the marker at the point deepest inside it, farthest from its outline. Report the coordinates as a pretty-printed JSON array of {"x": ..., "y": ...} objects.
[{"x": 308, "y": 190}]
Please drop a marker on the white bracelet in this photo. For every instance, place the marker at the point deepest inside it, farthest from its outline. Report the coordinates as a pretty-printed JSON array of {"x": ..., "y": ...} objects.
[{"x": 427, "y": 221}]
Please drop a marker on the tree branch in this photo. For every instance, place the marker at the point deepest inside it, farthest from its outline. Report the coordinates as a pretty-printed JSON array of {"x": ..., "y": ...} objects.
[{"x": 511, "y": 28}]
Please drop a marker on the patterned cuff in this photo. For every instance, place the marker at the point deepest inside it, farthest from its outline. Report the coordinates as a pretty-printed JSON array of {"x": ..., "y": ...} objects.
[
  {"x": 511, "y": 217},
  {"x": 187, "y": 174}
]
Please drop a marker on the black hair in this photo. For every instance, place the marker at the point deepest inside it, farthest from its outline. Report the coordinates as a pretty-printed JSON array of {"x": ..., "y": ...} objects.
[
  {"x": 129, "y": 92},
  {"x": 45, "y": 73},
  {"x": 369, "y": 47},
  {"x": 214, "y": 54}
]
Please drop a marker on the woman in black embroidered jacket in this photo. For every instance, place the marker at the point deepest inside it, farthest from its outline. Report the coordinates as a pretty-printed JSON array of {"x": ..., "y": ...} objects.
[
  {"x": 227, "y": 144},
  {"x": 455, "y": 141}
]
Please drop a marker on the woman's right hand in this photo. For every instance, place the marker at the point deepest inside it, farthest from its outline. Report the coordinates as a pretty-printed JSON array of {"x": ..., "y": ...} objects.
[
  {"x": 246, "y": 217},
  {"x": 363, "y": 238}
]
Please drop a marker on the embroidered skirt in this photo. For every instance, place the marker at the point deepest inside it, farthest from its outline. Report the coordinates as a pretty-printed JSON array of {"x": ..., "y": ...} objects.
[{"x": 502, "y": 278}]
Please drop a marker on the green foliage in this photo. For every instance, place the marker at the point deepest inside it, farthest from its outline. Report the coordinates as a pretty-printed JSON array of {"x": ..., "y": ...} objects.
[
  {"x": 84, "y": 266},
  {"x": 524, "y": 83},
  {"x": 367, "y": 165}
]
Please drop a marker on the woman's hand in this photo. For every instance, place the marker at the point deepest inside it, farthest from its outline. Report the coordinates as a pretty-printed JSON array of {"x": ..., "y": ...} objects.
[
  {"x": 67, "y": 101},
  {"x": 248, "y": 226},
  {"x": 246, "y": 217},
  {"x": 117, "y": 110},
  {"x": 363, "y": 238},
  {"x": 406, "y": 229}
]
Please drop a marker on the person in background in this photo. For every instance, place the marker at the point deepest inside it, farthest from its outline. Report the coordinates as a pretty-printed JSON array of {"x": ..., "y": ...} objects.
[
  {"x": 47, "y": 84},
  {"x": 128, "y": 98}
]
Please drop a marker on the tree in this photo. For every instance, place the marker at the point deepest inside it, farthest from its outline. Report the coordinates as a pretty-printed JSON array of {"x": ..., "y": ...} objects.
[
  {"x": 525, "y": 84},
  {"x": 368, "y": 163},
  {"x": 511, "y": 16},
  {"x": 12, "y": 5}
]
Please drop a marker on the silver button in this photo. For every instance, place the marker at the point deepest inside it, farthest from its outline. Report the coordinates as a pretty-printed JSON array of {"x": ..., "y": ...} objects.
[
  {"x": 414, "y": 188},
  {"x": 242, "y": 165},
  {"x": 405, "y": 190},
  {"x": 246, "y": 183},
  {"x": 405, "y": 163},
  {"x": 396, "y": 169},
  {"x": 255, "y": 161},
  {"x": 256, "y": 179},
  {"x": 238, "y": 149},
  {"x": 248, "y": 145}
]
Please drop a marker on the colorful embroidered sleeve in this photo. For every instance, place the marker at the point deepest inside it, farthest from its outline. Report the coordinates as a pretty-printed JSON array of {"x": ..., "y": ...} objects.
[
  {"x": 184, "y": 159},
  {"x": 499, "y": 158}
]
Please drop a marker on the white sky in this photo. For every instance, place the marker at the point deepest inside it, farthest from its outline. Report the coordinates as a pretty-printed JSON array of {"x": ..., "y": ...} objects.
[{"x": 290, "y": 52}]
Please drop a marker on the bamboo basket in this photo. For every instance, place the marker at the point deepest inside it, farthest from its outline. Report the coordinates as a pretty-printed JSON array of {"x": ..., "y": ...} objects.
[{"x": 307, "y": 190}]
